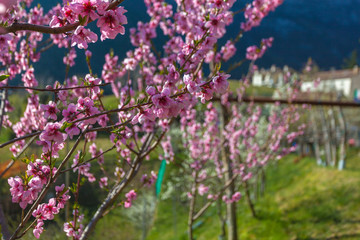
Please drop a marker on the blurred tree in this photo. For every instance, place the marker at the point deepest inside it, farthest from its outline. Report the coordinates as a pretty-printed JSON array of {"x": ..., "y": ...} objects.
[{"x": 351, "y": 61}]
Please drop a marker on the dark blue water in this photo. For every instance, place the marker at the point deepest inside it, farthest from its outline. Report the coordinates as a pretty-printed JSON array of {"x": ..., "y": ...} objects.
[{"x": 326, "y": 30}]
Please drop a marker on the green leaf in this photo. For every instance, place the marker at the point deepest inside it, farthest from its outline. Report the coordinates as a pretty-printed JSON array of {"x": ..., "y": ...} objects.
[
  {"x": 3, "y": 77},
  {"x": 127, "y": 101},
  {"x": 81, "y": 156},
  {"x": 73, "y": 188},
  {"x": 25, "y": 160},
  {"x": 64, "y": 126}
]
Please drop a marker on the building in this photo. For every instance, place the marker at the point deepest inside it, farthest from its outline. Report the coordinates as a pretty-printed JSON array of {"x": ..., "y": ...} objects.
[
  {"x": 345, "y": 81},
  {"x": 274, "y": 77}
]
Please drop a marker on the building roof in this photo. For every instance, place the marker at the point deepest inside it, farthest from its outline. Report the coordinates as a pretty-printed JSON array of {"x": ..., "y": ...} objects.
[{"x": 337, "y": 74}]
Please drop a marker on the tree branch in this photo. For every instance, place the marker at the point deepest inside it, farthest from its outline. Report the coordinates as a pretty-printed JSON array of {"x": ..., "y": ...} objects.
[
  {"x": 15, "y": 27},
  {"x": 17, "y": 156},
  {"x": 53, "y": 90}
]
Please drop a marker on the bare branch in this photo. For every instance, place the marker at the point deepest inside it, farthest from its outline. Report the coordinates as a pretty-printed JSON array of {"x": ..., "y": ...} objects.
[
  {"x": 208, "y": 204},
  {"x": 53, "y": 90},
  {"x": 20, "y": 138},
  {"x": 17, "y": 156}
]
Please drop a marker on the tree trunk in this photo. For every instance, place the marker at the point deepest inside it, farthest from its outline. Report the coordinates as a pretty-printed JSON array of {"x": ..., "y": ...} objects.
[
  {"x": 248, "y": 198},
  {"x": 326, "y": 137},
  {"x": 262, "y": 183},
  {"x": 222, "y": 220},
  {"x": 231, "y": 207}
]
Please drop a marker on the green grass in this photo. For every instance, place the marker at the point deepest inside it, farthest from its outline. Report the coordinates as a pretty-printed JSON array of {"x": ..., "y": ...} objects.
[
  {"x": 262, "y": 91},
  {"x": 302, "y": 201},
  {"x": 110, "y": 102}
]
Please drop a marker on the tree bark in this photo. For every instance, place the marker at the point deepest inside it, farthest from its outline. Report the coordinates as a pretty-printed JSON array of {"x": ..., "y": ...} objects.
[
  {"x": 222, "y": 219},
  {"x": 248, "y": 198},
  {"x": 231, "y": 207},
  {"x": 326, "y": 137}
]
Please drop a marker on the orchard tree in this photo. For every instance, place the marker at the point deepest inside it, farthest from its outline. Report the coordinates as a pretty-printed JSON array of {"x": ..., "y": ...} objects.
[{"x": 167, "y": 85}]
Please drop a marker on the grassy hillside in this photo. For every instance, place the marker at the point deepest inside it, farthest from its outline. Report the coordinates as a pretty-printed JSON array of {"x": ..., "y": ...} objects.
[{"x": 302, "y": 201}]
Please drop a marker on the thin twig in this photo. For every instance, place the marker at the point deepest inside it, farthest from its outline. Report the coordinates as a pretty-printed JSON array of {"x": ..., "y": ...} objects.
[
  {"x": 17, "y": 156},
  {"x": 20, "y": 138},
  {"x": 208, "y": 204},
  {"x": 53, "y": 89}
]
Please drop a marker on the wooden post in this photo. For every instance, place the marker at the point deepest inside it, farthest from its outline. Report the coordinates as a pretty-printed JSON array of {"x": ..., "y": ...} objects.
[
  {"x": 332, "y": 136},
  {"x": 316, "y": 138},
  {"x": 343, "y": 130}
]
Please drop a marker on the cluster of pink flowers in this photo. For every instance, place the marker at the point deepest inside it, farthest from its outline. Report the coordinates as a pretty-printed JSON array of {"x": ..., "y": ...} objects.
[
  {"x": 234, "y": 198},
  {"x": 25, "y": 190},
  {"x": 110, "y": 21},
  {"x": 256, "y": 11},
  {"x": 82, "y": 168},
  {"x": 130, "y": 196},
  {"x": 149, "y": 180},
  {"x": 46, "y": 211},
  {"x": 253, "y": 52},
  {"x": 71, "y": 229}
]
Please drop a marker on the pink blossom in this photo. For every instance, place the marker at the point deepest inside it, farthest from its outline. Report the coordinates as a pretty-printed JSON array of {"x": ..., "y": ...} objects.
[
  {"x": 119, "y": 172},
  {"x": 149, "y": 180},
  {"x": 163, "y": 100},
  {"x": 69, "y": 59},
  {"x": 130, "y": 63},
  {"x": 131, "y": 195},
  {"x": 82, "y": 37},
  {"x": 202, "y": 189},
  {"x": 236, "y": 197},
  {"x": 216, "y": 25},
  {"x": 86, "y": 105},
  {"x": 50, "y": 110},
  {"x": 253, "y": 53},
  {"x": 93, "y": 81},
  {"x": 38, "y": 228},
  {"x": 228, "y": 50},
  {"x": 127, "y": 204},
  {"x": 5, "y": 4},
  {"x": 150, "y": 90},
  {"x": 111, "y": 23},
  {"x": 72, "y": 131},
  {"x": 220, "y": 83},
  {"x": 70, "y": 113},
  {"x": 103, "y": 182},
  {"x": 85, "y": 8},
  {"x": 52, "y": 133},
  {"x": 29, "y": 79}
]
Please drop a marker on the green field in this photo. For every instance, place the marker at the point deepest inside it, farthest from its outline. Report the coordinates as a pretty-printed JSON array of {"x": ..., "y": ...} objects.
[{"x": 301, "y": 201}]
